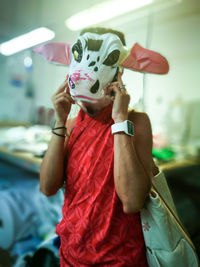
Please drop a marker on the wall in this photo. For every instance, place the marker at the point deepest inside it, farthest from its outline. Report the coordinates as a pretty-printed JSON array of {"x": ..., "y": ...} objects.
[
  {"x": 172, "y": 101},
  {"x": 16, "y": 103},
  {"x": 172, "y": 31}
]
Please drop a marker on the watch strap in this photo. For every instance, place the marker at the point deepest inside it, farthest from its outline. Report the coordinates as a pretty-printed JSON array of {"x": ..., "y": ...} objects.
[{"x": 125, "y": 126}]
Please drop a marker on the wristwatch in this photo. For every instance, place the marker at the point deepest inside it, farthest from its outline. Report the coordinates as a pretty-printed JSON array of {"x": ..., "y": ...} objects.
[{"x": 125, "y": 126}]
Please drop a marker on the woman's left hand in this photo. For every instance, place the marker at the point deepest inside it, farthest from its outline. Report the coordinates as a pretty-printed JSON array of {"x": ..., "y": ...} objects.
[{"x": 121, "y": 100}]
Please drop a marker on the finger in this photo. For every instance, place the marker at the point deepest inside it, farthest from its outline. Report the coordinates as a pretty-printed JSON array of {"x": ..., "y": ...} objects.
[
  {"x": 108, "y": 90},
  {"x": 66, "y": 99},
  {"x": 119, "y": 78},
  {"x": 68, "y": 89},
  {"x": 63, "y": 94},
  {"x": 62, "y": 102},
  {"x": 70, "y": 98},
  {"x": 114, "y": 84},
  {"x": 62, "y": 87},
  {"x": 117, "y": 85},
  {"x": 122, "y": 87},
  {"x": 59, "y": 95},
  {"x": 112, "y": 98},
  {"x": 115, "y": 89}
]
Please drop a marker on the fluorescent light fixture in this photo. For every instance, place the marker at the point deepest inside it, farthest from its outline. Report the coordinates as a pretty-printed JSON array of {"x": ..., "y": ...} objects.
[
  {"x": 103, "y": 12},
  {"x": 27, "y": 40}
]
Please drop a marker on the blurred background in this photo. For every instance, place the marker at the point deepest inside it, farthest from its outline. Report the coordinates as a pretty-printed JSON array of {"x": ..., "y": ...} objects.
[{"x": 27, "y": 82}]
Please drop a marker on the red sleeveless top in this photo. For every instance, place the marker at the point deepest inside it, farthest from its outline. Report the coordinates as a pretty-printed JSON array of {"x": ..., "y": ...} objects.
[{"x": 94, "y": 230}]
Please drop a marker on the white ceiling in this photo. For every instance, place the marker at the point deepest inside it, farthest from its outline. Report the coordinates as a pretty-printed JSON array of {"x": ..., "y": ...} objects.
[{"x": 20, "y": 16}]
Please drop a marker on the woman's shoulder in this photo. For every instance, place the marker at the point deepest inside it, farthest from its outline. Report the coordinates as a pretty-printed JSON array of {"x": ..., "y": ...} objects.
[
  {"x": 140, "y": 120},
  {"x": 142, "y": 138}
]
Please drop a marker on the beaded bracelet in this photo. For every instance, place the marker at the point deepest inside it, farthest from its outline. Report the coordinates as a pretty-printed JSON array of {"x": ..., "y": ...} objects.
[{"x": 61, "y": 135}]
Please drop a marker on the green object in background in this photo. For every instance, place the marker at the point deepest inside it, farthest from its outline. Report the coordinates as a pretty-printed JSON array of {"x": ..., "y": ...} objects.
[{"x": 163, "y": 153}]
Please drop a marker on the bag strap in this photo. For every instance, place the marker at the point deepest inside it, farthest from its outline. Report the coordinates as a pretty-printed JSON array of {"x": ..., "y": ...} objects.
[{"x": 175, "y": 217}]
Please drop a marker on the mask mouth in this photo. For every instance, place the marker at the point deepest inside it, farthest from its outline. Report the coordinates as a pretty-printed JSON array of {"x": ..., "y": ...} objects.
[{"x": 83, "y": 98}]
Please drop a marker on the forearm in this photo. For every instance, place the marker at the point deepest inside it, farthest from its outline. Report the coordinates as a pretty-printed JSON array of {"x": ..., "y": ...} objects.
[
  {"x": 132, "y": 183},
  {"x": 52, "y": 167}
]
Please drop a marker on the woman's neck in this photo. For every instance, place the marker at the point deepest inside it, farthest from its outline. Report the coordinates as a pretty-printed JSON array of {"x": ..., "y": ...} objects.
[{"x": 93, "y": 108}]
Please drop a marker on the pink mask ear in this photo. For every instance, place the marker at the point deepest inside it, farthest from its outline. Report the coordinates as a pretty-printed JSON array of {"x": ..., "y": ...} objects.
[
  {"x": 57, "y": 52},
  {"x": 145, "y": 60}
]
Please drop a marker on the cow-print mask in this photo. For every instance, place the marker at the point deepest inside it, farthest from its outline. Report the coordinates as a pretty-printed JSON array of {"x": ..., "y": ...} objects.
[
  {"x": 94, "y": 64},
  {"x": 94, "y": 61}
]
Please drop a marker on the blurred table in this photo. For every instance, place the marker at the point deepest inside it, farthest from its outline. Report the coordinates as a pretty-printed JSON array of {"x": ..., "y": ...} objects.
[
  {"x": 25, "y": 160},
  {"x": 28, "y": 161},
  {"x": 178, "y": 163}
]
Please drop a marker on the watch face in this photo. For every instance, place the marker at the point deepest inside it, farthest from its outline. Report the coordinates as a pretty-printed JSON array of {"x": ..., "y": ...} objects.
[{"x": 130, "y": 127}]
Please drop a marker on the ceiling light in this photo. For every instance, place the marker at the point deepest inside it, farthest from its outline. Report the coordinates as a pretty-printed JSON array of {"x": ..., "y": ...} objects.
[
  {"x": 103, "y": 12},
  {"x": 28, "y": 62},
  {"x": 25, "y": 41}
]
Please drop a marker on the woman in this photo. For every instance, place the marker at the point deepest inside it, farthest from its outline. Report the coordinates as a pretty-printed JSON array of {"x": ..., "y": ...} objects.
[{"x": 107, "y": 177}]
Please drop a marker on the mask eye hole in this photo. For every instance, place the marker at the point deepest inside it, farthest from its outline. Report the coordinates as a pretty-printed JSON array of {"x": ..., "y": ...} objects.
[
  {"x": 75, "y": 55},
  {"x": 77, "y": 51},
  {"x": 112, "y": 58}
]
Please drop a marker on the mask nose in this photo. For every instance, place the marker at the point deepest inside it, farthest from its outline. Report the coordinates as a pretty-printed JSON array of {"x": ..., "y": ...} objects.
[
  {"x": 71, "y": 83},
  {"x": 94, "y": 89},
  {"x": 83, "y": 80}
]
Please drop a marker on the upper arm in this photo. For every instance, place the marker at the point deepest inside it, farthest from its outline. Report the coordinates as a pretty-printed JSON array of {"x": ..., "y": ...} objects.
[{"x": 142, "y": 139}]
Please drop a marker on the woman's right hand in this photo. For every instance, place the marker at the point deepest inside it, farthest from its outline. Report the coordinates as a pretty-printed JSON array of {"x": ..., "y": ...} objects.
[{"x": 62, "y": 102}]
